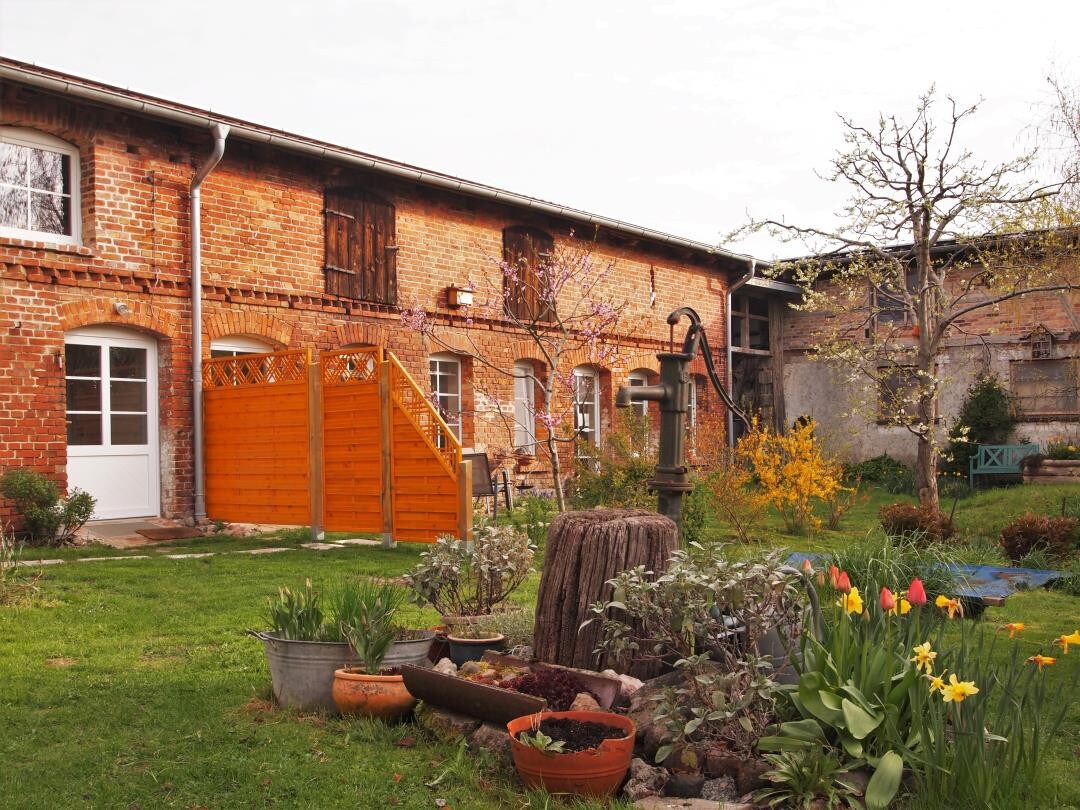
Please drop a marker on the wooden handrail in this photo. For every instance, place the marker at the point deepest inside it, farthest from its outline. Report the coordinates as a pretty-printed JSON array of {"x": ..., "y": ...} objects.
[{"x": 407, "y": 394}]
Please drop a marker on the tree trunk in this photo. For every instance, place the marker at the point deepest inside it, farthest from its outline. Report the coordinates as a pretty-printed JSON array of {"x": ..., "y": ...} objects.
[
  {"x": 556, "y": 473},
  {"x": 926, "y": 482},
  {"x": 584, "y": 551}
]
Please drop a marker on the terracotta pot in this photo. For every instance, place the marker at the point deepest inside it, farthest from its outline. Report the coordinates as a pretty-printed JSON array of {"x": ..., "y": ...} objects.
[
  {"x": 382, "y": 696},
  {"x": 463, "y": 650},
  {"x": 595, "y": 772}
]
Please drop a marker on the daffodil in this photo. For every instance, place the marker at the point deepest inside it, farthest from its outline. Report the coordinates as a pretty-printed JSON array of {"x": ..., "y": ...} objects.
[
  {"x": 1042, "y": 661},
  {"x": 851, "y": 602},
  {"x": 1065, "y": 641},
  {"x": 937, "y": 682},
  {"x": 950, "y": 606},
  {"x": 924, "y": 657},
  {"x": 904, "y": 608},
  {"x": 1013, "y": 628},
  {"x": 956, "y": 691}
]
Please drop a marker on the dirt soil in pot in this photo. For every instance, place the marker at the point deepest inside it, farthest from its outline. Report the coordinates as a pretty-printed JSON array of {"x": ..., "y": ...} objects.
[{"x": 578, "y": 736}]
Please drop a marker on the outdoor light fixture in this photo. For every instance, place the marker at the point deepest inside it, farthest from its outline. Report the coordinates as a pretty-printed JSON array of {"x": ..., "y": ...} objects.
[
  {"x": 122, "y": 309},
  {"x": 459, "y": 296}
]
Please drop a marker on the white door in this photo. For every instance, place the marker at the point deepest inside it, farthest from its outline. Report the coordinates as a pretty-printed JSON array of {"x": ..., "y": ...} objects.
[{"x": 112, "y": 420}]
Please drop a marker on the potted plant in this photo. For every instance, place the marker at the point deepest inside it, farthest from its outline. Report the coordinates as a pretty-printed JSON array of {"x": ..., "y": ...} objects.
[
  {"x": 303, "y": 650},
  {"x": 366, "y": 620},
  {"x": 411, "y": 646},
  {"x": 585, "y": 753},
  {"x": 470, "y": 642},
  {"x": 466, "y": 582}
]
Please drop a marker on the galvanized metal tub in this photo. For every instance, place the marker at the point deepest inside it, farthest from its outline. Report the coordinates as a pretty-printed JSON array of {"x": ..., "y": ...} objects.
[
  {"x": 302, "y": 672},
  {"x": 410, "y": 651}
]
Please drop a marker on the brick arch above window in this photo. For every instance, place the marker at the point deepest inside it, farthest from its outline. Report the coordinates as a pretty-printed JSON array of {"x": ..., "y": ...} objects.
[
  {"x": 641, "y": 360},
  {"x": 265, "y": 327},
  {"x": 140, "y": 315},
  {"x": 362, "y": 334}
]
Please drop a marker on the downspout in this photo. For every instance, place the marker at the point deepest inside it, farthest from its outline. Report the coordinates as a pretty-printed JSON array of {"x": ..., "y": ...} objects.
[
  {"x": 221, "y": 132},
  {"x": 727, "y": 317}
]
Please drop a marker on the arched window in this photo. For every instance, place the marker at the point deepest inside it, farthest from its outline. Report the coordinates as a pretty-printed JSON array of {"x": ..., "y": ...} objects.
[
  {"x": 39, "y": 187},
  {"x": 587, "y": 408},
  {"x": 638, "y": 379},
  {"x": 525, "y": 406},
  {"x": 235, "y": 345}
]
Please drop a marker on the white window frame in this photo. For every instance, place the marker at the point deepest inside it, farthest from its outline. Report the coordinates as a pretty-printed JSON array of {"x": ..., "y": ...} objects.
[
  {"x": 449, "y": 365},
  {"x": 236, "y": 345},
  {"x": 32, "y": 139},
  {"x": 638, "y": 379},
  {"x": 590, "y": 432},
  {"x": 524, "y": 406}
]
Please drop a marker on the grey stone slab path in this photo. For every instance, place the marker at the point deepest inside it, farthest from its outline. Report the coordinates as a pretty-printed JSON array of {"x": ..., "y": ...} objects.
[{"x": 356, "y": 541}]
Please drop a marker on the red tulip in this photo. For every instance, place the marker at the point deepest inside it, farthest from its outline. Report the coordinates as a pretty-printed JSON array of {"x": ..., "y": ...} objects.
[
  {"x": 843, "y": 582},
  {"x": 834, "y": 576},
  {"x": 888, "y": 601},
  {"x": 916, "y": 593},
  {"x": 807, "y": 567},
  {"x": 821, "y": 579}
]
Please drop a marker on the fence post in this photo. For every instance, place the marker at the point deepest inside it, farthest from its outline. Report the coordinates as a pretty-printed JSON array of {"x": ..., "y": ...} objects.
[
  {"x": 386, "y": 417},
  {"x": 316, "y": 468},
  {"x": 464, "y": 482}
]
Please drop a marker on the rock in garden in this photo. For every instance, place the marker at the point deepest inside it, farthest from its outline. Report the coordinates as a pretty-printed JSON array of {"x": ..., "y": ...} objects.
[
  {"x": 584, "y": 702},
  {"x": 719, "y": 790},
  {"x": 721, "y": 762},
  {"x": 750, "y": 777},
  {"x": 445, "y": 725},
  {"x": 685, "y": 785},
  {"x": 645, "y": 780},
  {"x": 446, "y": 667},
  {"x": 628, "y": 684},
  {"x": 493, "y": 739},
  {"x": 668, "y": 803}
]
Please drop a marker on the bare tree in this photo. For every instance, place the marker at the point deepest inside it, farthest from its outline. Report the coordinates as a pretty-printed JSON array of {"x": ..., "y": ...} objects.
[
  {"x": 557, "y": 300},
  {"x": 929, "y": 236}
]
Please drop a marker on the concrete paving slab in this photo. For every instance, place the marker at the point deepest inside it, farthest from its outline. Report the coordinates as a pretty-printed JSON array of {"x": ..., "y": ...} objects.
[
  {"x": 268, "y": 550},
  {"x": 32, "y": 563},
  {"x": 357, "y": 541},
  {"x": 189, "y": 556},
  {"x": 320, "y": 546}
]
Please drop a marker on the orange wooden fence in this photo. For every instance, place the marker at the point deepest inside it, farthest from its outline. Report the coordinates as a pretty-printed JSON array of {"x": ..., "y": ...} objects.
[{"x": 347, "y": 442}]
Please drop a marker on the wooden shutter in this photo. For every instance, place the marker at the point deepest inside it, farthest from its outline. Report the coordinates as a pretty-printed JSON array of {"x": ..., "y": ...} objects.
[
  {"x": 361, "y": 260},
  {"x": 526, "y": 250}
]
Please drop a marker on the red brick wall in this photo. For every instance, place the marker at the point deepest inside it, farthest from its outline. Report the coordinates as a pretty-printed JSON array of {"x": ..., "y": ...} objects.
[{"x": 263, "y": 276}]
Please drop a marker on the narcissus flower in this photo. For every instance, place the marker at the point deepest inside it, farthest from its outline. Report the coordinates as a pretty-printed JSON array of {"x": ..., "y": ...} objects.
[
  {"x": 1013, "y": 628},
  {"x": 843, "y": 582},
  {"x": 916, "y": 593},
  {"x": 851, "y": 601},
  {"x": 904, "y": 608},
  {"x": 1065, "y": 641},
  {"x": 956, "y": 691},
  {"x": 1042, "y": 661},
  {"x": 924, "y": 657},
  {"x": 888, "y": 600},
  {"x": 950, "y": 606},
  {"x": 937, "y": 682}
]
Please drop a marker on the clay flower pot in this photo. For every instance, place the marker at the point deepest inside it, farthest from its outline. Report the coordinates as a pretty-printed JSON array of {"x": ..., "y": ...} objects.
[
  {"x": 382, "y": 696},
  {"x": 594, "y": 772}
]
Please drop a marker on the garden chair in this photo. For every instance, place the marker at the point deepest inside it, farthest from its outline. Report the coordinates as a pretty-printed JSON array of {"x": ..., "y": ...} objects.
[{"x": 486, "y": 485}]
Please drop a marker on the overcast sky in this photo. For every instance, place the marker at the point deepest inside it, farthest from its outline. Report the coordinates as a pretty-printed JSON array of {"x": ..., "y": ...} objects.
[{"x": 680, "y": 116}]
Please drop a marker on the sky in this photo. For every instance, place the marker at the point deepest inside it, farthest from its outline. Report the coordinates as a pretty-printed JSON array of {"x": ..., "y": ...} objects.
[{"x": 685, "y": 117}]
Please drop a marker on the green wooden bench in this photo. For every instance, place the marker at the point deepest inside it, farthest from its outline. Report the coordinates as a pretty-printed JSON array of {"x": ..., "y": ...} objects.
[{"x": 999, "y": 459}]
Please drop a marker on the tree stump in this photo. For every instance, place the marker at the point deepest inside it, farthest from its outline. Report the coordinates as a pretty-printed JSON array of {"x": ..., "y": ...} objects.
[{"x": 584, "y": 551}]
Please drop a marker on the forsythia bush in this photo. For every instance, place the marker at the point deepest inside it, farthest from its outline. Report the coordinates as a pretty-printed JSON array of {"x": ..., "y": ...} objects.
[{"x": 793, "y": 472}]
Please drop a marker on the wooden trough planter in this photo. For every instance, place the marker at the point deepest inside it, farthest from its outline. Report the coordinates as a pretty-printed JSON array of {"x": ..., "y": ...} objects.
[{"x": 1052, "y": 471}]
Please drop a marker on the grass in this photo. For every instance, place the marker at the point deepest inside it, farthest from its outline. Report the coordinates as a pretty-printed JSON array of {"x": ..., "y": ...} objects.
[{"x": 131, "y": 683}]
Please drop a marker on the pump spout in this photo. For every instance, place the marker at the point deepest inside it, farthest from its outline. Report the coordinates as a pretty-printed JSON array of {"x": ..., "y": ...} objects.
[{"x": 625, "y": 396}]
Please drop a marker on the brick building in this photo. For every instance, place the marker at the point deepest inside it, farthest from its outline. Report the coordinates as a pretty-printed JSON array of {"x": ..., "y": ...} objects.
[{"x": 96, "y": 325}]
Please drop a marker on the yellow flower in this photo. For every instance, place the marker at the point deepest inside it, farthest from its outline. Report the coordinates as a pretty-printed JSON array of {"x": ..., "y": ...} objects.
[
  {"x": 1071, "y": 448},
  {"x": 905, "y": 608},
  {"x": 950, "y": 606},
  {"x": 1042, "y": 661},
  {"x": 851, "y": 602},
  {"x": 1013, "y": 628},
  {"x": 924, "y": 657},
  {"x": 1065, "y": 641},
  {"x": 937, "y": 682},
  {"x": 956, "y": 691}
]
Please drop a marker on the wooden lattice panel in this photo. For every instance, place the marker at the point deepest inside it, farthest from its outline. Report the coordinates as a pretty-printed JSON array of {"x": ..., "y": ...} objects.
[
  {"x": 418, "y": 408},
  {"x": 256, "y": 369},
  {"x": 351, "y": 366}
]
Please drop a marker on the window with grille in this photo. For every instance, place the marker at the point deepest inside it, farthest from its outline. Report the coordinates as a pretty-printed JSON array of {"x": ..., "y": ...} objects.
[
  {"x": 1046, "y": 388},
  {"x": 39, "y": 183},
  {"x": 445, "y": 378},
  {"x": 524, "y": 406},
  {"x": 750, "y": 322}
]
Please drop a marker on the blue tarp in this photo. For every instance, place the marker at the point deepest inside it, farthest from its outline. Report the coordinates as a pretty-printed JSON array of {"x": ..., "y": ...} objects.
[{"x": 979, "y": 582}]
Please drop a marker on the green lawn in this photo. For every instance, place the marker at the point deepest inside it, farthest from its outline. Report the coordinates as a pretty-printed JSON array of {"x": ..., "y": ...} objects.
[{"x": 131, "y": 684}]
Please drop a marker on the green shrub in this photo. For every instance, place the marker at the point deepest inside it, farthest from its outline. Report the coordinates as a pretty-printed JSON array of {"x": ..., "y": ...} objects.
[
  {"x": 884, "y": 472},
  {"x": 920, "y": 523},
  {"x": 985, "y": 417},
  {"x": 1063, "y": 448},
  {"x": 1029, "y": 533},
  {"x": 894, "y": 562},
  {"x": 532, "y": 514},
  {"x": 49, "y": 519}
]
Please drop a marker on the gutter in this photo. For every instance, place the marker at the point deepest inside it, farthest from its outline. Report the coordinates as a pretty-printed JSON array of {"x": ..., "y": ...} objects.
[
  {"x": 95, "y": 92},
  {"x": 221, "y": 132},
  {"x": 730, "y": 353}
]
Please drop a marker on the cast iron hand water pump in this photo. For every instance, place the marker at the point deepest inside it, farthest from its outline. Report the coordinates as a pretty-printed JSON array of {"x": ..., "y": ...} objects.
[{"x": 672, "y": 394}]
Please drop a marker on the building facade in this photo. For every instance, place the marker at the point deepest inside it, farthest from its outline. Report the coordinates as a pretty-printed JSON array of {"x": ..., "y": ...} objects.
[{"x": 303, "y": 245}]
